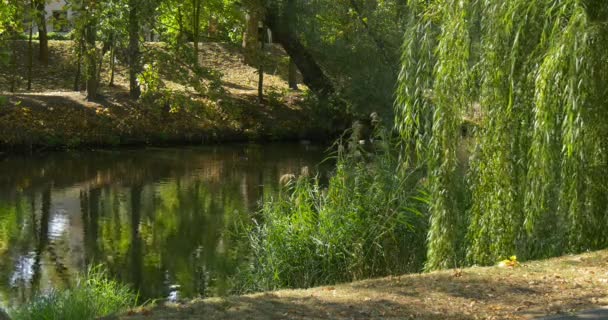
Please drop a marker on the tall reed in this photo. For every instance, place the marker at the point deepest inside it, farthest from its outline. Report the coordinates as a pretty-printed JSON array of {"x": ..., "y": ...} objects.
[{"x": 370, "y": 220}]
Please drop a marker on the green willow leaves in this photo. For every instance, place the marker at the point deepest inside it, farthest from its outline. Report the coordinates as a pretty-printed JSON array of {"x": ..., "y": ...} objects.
[{"x": 531, "y": 76}]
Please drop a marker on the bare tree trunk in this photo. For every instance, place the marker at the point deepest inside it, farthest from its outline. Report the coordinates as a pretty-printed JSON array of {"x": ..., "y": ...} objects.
[
  {"x": 261, "y": 74},
  {"x": 99, "y": 67},
  {"x": 91, "y": 54},
  {"x": 196, "y": 29},
  {"x": 107, "y": 46},
  {"x": 251, "y": 37},
  {"x": 293, "y": 75},
  {"x": 79, "y": 64},
  {"x": 282, "y": 29},
  {"x": 42, "y": 32},
  {"x": 14, "y": 62},
  {"x": 30, "y": 52},
  {"x": 180, "y": 28},
  {"x": 134, "y": 53},
  {"x": 112, "y": 62}
]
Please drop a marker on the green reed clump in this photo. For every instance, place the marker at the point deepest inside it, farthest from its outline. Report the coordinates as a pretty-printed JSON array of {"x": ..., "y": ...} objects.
[
  {"x": 370, "y": 220},
  {"x": 93, "y": 296}
]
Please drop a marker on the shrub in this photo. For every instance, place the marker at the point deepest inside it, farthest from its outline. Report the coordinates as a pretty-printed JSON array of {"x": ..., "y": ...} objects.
[
  {"x": 50, "y": 36},
  {"x": 369, "y": 221},
  {"x": 93, "y": 296}
]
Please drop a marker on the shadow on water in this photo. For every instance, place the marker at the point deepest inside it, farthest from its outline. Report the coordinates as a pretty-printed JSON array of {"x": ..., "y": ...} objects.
[{"x": 158, "y": 219}]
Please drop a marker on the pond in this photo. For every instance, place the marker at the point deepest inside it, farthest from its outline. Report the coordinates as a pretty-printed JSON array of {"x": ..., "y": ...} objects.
[{"x": 160, "y": 220}]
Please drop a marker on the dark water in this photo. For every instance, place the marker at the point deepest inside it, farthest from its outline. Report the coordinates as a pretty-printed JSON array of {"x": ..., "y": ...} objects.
[{"x": 157, "y": 219}]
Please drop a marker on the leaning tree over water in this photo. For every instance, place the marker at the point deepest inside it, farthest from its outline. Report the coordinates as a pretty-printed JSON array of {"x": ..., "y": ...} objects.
[{"x": 533, "y": 75}]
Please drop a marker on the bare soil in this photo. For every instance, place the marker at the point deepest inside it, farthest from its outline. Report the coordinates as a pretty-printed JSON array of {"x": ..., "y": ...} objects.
[{"x": 556, "y": 286}]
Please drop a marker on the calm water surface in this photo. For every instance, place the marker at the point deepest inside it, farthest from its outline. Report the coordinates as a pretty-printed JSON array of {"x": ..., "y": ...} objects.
[{"x": 158, "y": 219}]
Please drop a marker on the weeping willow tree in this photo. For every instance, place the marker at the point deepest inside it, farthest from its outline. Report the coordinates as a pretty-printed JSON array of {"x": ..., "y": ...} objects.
[{"x": 534, "y": 75}]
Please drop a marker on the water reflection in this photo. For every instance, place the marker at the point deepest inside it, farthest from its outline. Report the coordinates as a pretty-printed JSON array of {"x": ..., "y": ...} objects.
[{"x": 158, "y": 219}]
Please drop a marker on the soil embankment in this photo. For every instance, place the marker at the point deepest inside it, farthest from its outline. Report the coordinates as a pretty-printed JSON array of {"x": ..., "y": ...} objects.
[{"x": 52, "y": 115}]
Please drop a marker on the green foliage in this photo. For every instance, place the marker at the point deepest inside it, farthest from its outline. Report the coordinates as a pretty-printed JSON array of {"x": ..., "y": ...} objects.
[
  {"x": 150, "y": 81},
  {"x": 50, "y": 36},
  {"x": 221, "y": 20},
  {"x": 159, "y": 99},
  {"x": 369, "y": 221},
  {"x": 357, "y": 43},
  {"x": 93, "y": 296},
  {"x": 10, "y": 13},
  {"x": 533, "y": 73}
]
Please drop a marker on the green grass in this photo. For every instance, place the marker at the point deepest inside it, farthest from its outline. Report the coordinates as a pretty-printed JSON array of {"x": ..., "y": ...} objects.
[{"x": 93, "y": 296}]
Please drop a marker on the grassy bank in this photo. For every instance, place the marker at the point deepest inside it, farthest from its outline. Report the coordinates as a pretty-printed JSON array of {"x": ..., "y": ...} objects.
[
  {"x": 52, "y": 115},
  {"x": 93, "y": 296},
  {"x": 561, "y": 285}
]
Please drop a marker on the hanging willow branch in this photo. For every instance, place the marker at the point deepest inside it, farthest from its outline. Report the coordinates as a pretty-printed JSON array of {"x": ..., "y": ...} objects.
[{"x": 537, "y": 69}]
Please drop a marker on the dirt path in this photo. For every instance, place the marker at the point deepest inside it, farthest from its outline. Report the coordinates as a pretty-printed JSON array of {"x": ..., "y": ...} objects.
[
  {"x": 556, "y": 286},
  {"x": 597, "y": 314}
]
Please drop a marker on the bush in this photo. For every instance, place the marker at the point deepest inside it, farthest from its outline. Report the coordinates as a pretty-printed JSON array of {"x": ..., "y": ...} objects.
[
  {"x": 369, "y": 221},
  {"x": 93, "y": 296},
  {"x": 50, "y": 36},
  {"x": 60, "y": 36}
]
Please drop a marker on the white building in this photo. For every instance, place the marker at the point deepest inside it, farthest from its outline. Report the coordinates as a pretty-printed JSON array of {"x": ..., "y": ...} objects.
[{"x": 58, "y": 17}]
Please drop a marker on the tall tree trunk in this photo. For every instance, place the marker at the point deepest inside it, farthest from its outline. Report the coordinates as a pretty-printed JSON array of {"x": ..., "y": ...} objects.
[
  {"x": 13, "y": 63},
  {"x": 99, "y": 68},
  {"x": 134, "y": 53},
  {"x": 104, "y": 50},
  {"x": 42, "y": 32},
  {"x": 280, "y": 23},
  {"x": 261, "y": 72},
  {"x": 80, "y": 44},
  {"x": 293, "y": 75},
  {"x": 30, "y": 53},
  {"x": 180, "y": 28},
  {"x": 196, "y": 28},
  {"x": 91, "y": 54},
  {"x": 251, "y": 44},
  {"x": 112, "y": 62}
]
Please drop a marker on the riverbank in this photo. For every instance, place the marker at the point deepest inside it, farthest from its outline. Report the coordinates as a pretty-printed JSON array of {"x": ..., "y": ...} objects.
[
  {"x": 52, "y": 115},
  {"x": 555, "y": 286},
  {"x": 53, "y": 120}
]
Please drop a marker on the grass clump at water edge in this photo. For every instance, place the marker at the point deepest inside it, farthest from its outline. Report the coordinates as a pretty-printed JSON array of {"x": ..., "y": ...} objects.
[
  {"x": 93, "y": 296},
  {"x": 369, "y": 221}
]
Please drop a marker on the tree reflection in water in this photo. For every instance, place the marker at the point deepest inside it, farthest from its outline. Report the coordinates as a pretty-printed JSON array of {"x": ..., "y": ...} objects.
[{"x": 158, "y": 219}]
